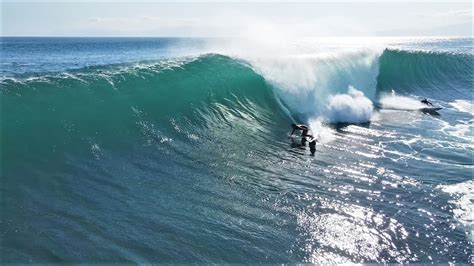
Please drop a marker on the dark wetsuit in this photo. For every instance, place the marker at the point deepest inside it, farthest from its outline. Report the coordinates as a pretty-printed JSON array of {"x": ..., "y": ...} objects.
[
  {"x": 304, "y": 135},
  {"x": 425, "y": 101},
  {"x": 312, "y": 146}
]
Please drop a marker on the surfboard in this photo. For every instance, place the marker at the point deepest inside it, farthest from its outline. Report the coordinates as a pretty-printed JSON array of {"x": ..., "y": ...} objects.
[{"x": 430, "y": 109}]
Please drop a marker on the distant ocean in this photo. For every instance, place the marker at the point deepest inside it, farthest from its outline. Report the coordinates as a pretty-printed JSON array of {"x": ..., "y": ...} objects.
[{"x": 175, "y": 150}]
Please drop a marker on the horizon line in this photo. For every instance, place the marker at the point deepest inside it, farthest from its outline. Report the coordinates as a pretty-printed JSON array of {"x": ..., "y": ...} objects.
[{"x": 224, "y": 37}]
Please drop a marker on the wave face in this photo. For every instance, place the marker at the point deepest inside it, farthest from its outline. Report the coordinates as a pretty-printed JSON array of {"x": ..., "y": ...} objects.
[
  {"x": 64, "y": 113},
  {"x": 188, "y": 160},
  {"x": 426, "y": 73}
]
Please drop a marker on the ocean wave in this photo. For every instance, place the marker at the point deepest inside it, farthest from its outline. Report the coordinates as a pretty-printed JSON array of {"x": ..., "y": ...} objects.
[
  {"x": 426, "y": 73},
  {"x": 144, "y": 104},
  {"x": 170, "y": 131},
  {"x": 331, "y": 87}
]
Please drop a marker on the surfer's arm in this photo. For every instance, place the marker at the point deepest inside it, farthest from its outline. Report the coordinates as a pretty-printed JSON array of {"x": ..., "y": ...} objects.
[
  {"x": 298, "y": 127},
  {"x": 295, "y": 127}
]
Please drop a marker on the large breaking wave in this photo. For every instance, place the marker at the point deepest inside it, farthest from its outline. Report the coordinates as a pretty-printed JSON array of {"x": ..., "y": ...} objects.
[
  {"x": 171, "y": 125},
  {"x": 204, "y": 98},
  {"x": 113, "y": 104}
]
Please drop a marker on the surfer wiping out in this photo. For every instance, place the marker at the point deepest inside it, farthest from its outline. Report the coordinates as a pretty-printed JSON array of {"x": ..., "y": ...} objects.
[
  {"x": 425, "y": 101},
  {"x": 305, "y": 136}
]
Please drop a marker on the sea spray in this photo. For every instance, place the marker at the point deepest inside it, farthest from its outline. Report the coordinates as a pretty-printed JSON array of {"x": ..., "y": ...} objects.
[
  {"x": 304, "y": 79},
  {"x": 321, "y": 132},
  {"x": 397, "y": 102},
  {"x": 306, "y": 83}
]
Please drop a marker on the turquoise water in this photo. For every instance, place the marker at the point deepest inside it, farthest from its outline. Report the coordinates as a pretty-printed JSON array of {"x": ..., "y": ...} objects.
[{"x": 177, "y": 151}]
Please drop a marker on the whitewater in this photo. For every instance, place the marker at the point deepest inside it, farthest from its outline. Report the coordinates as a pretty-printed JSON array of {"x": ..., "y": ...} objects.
[{"x": 177, "y": 150}]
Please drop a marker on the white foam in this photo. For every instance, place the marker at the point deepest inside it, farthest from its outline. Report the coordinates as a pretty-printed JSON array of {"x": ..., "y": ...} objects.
[
  {"x": 352, "y": 107},
  {"x": 463, "y": 198},
  {"x": 321, "y": 132},
  {"x": 400, "y": 102},
  {"x": 463, "y": 106},
  {"x": 462, "y": 130}
]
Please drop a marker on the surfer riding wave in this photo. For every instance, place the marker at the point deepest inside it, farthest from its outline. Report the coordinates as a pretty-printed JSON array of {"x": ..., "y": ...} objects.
[{"x": 305, "y": 136}]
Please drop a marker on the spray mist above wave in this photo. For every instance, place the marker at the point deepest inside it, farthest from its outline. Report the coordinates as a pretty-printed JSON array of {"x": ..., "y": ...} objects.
[
  {"x": 306, "y": 73},
  {"x": 306, "y": 83},
  {"x": 312, "y": 77}
]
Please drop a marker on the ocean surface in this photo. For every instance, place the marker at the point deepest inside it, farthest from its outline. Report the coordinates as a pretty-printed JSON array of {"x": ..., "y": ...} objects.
[{"x": 175, "y": 150}]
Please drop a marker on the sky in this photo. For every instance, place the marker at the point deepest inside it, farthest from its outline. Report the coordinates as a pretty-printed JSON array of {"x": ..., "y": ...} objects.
[{"x": 234, "y": 19}]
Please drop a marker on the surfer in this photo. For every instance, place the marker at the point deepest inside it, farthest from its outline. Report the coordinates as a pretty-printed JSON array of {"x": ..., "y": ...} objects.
[
  {"x": 425, "y": 101},
  {"x": 305, "y": 136}
]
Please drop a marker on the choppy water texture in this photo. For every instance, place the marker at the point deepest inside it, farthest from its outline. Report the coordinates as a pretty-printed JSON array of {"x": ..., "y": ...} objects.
[{"x": 177, "y": 150}]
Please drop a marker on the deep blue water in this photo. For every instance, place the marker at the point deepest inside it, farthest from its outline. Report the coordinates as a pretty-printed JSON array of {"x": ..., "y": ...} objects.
[
  {"x": 26, "y": 55},
  {"x": 173, "y": 150}
]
